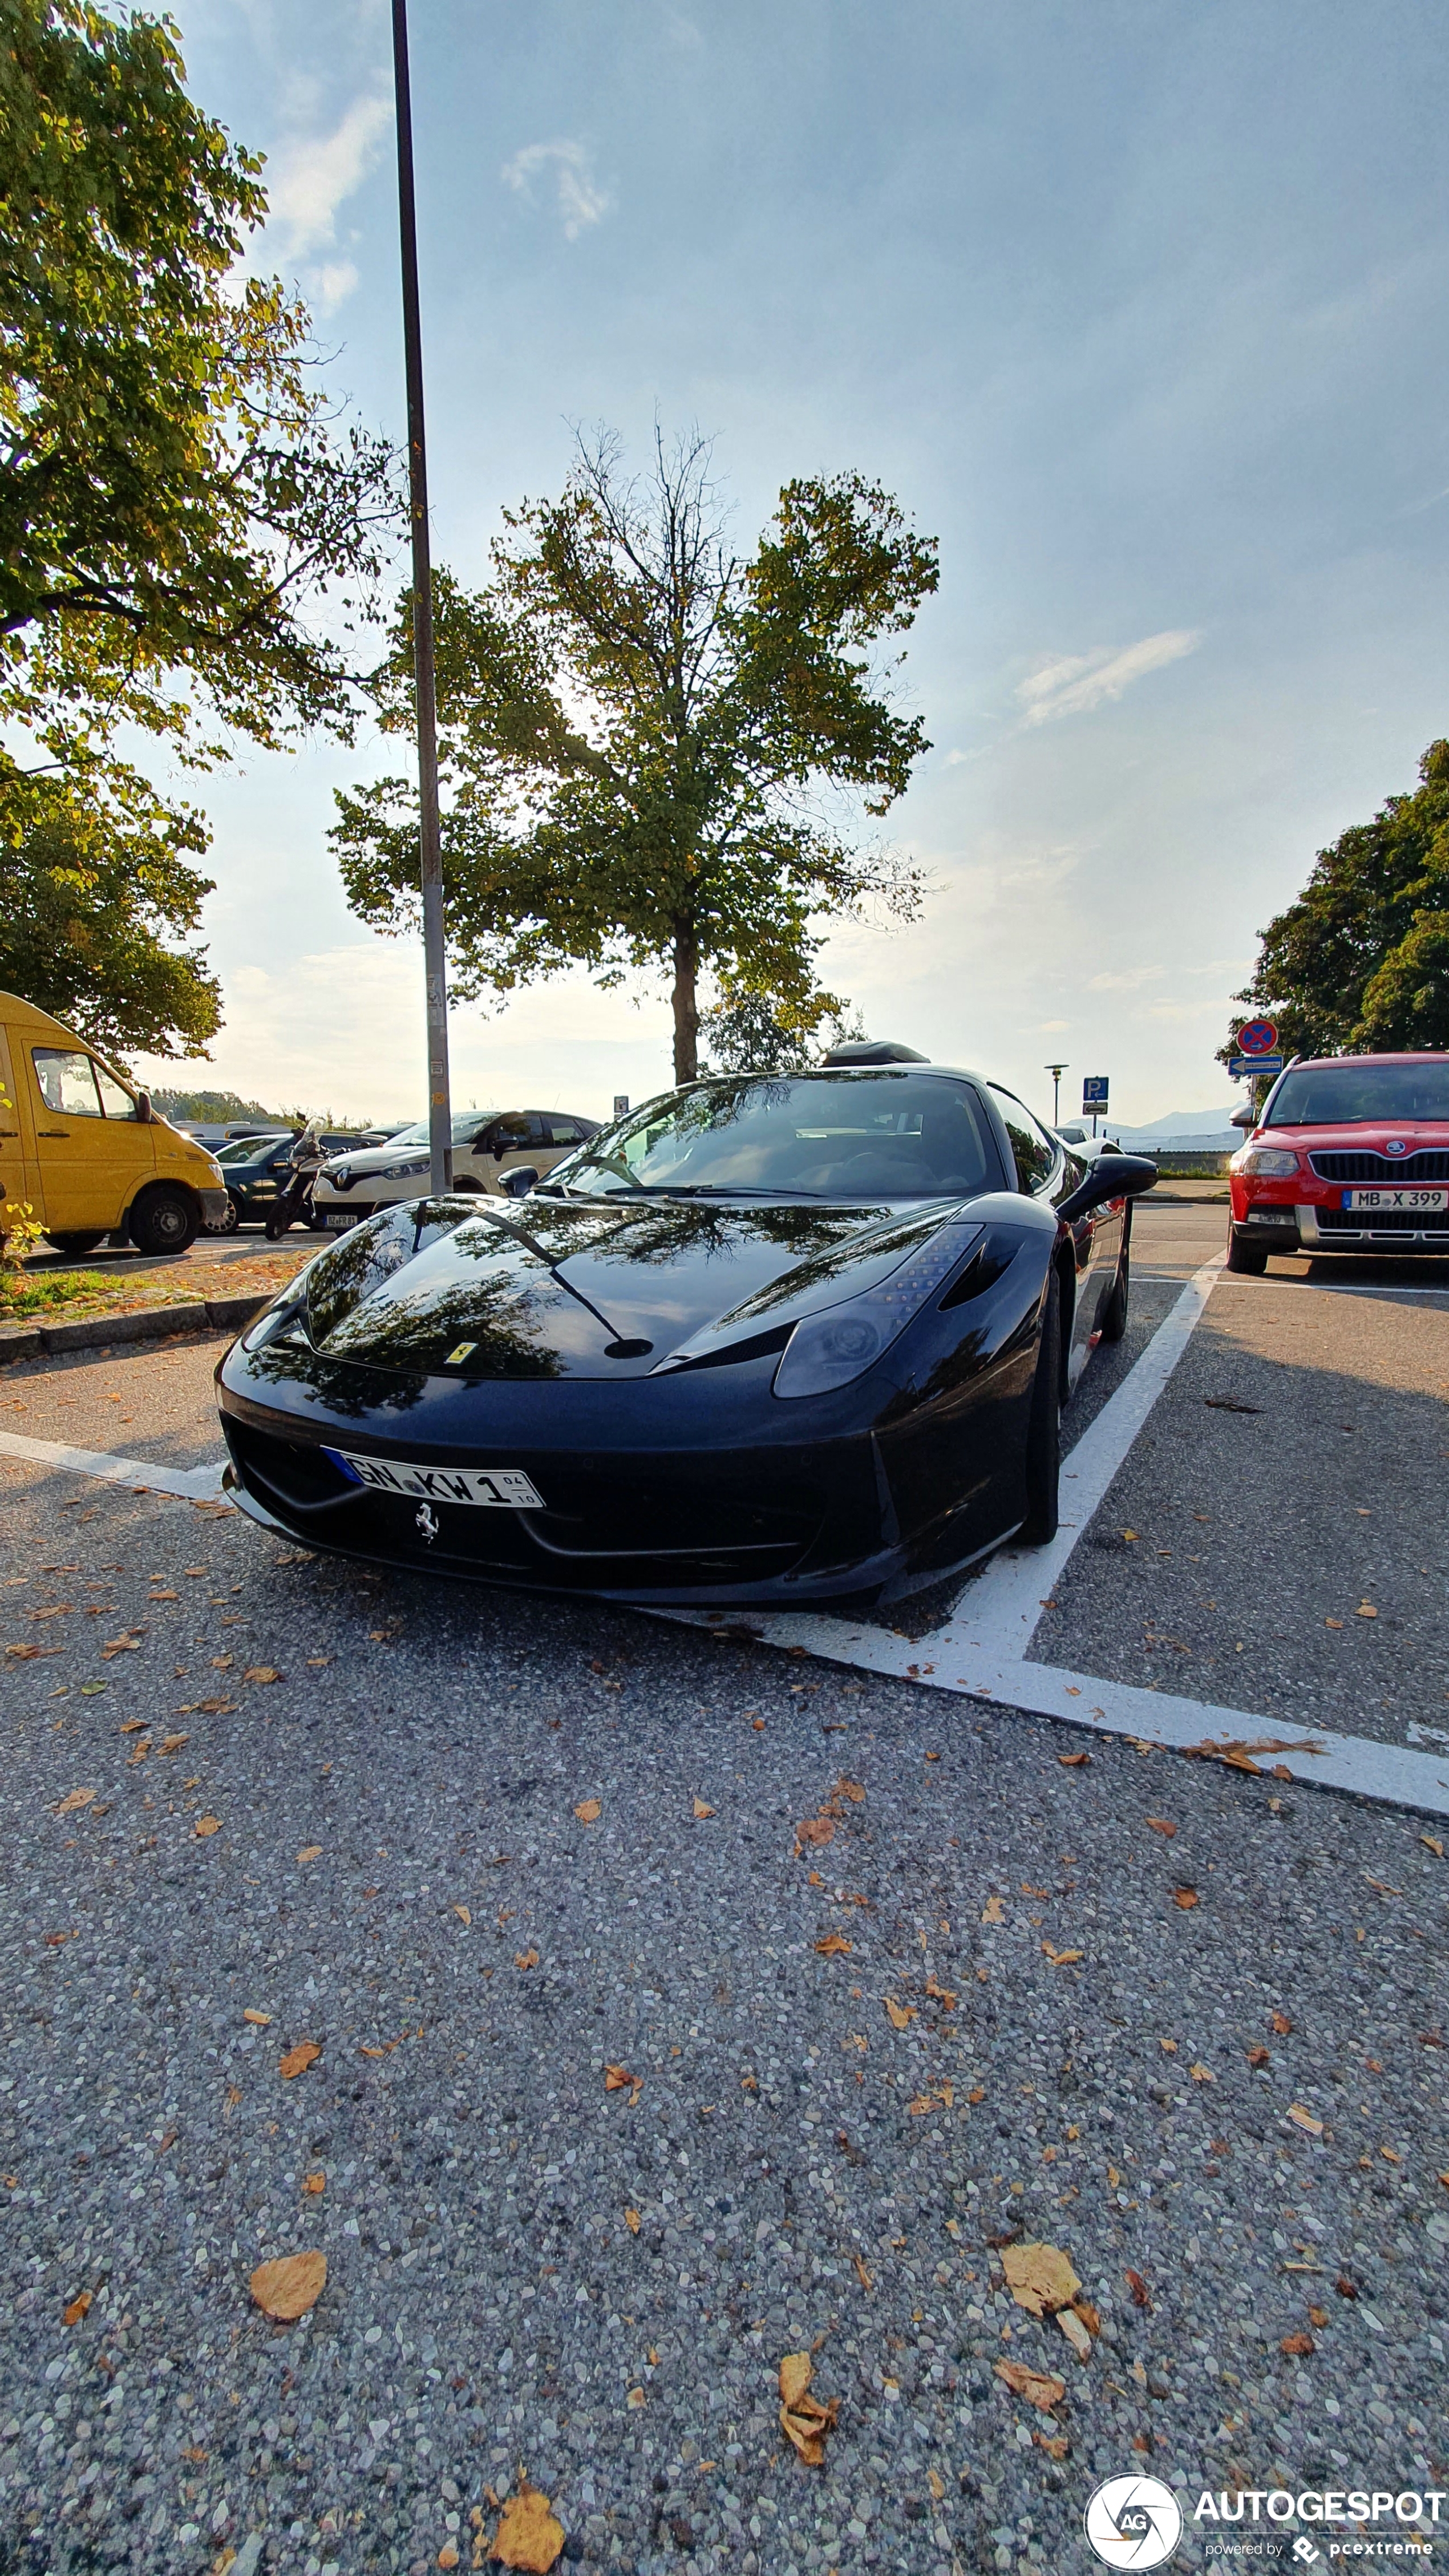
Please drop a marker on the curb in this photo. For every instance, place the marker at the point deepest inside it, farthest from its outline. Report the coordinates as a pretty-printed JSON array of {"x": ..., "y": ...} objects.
[{"x": 151, "y": 1324}]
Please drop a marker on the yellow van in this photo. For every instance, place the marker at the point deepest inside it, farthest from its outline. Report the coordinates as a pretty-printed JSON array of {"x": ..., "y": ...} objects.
[{"x": 87, "y": 1150}]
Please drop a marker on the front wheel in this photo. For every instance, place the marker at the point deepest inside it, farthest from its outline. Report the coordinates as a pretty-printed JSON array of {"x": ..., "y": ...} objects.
[
  {"x": 164, "y": 1220},
  {"x": 1250, "y": 1260},
  {"x": 225, "y": 1224},
  {"x": 1044, "y": 1428},
  {"x": 75, "y": 1244}
]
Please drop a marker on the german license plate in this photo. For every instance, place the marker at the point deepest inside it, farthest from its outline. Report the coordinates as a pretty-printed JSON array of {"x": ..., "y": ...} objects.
[
  {"x": 336, "y": 1222},
  {"x": 1412, "y": 1202},
  {"x": 506, "y": 1488}
]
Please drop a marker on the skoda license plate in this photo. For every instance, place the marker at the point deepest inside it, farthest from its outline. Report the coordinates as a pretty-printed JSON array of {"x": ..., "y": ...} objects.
[
  {"x": 507, "y": 1488},
  {"x": 1411, "y": 1202}
]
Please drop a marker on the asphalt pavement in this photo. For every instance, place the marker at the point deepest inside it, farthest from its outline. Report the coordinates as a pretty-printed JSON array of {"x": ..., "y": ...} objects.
[{"x": 478, "y": 1850}]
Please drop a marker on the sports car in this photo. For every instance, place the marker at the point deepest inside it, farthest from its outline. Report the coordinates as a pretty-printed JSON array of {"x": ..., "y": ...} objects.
[{"x": 769, "y": 1339}]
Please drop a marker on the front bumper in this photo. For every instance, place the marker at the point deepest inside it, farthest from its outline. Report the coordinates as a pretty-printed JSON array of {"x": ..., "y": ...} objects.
[{"x": 1324, "y": 1225}]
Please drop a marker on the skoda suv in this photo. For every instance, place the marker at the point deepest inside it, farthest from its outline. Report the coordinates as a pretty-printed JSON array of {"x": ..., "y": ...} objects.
[{"x": 1351, "y": 1154}]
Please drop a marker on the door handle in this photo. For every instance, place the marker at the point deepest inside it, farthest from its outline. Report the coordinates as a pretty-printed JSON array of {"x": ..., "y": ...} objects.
[{"x": 54, "y": 1131}]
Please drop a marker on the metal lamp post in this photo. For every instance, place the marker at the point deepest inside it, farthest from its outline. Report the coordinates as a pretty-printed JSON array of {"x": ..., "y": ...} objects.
[
  {"x": 440, "y": 1119},
  {"x": 1056, "y": 1071}
]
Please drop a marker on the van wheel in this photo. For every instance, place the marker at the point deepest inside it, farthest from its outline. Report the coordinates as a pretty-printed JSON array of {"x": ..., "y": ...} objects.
[
  {"x": 1044, "y": 1429},
  {"x": 163, "y": 1220},
  {"x": 76, "y": 1244}
]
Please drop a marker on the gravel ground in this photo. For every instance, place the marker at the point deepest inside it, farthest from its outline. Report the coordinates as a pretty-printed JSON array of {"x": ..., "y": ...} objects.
[{"x": 807, "y": 2167}]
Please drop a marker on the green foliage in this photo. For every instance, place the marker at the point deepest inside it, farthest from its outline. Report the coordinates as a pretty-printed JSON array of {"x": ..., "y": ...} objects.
[
  {"x": 1361, "y": 960},
  {"x": 172, "y": 489},
  {"x": 213, "y": 1108},
  {"x": 644, "y": 739},
  {"x": 752, "y": 1033},
  {"x": 94, "y": 892}
]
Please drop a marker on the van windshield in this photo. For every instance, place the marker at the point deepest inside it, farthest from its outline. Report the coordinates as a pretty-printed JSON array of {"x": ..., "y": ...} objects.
[{"x": 1349, "y": 1095}]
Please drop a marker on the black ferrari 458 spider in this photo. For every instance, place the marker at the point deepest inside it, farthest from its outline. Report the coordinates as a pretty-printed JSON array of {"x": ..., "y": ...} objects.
[{"x": 769, "y": 1339}]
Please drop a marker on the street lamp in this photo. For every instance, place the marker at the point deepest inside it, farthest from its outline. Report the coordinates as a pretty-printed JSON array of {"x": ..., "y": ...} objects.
[
  {"x": 1056, "y": 1071},
  {"x": 435, "y": 964}
]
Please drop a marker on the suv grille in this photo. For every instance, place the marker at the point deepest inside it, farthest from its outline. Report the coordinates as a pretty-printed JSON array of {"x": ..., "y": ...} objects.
[
  {"x": 1428, "y": 1166},
  {"x": 1382, "y": 1221}
]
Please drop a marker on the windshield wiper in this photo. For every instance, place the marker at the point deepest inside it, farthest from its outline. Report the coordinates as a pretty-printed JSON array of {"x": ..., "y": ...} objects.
[{"x": 737, "y": 1190}]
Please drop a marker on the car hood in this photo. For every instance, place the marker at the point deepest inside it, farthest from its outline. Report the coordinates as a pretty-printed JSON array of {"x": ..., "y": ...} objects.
[
  {"x": 362, "y": 1161},
  {"x": 1362, "y": 1136},
  {"x": 561, "y": 1289}
]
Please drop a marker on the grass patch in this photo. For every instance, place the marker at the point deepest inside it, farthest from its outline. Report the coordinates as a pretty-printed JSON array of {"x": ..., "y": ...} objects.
[{"x": 26, "y": 1296}]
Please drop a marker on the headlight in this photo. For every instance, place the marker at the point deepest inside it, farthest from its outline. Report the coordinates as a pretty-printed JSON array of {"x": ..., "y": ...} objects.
[
  {"x": 403, "y": 1171},
  {"x": 829, "y": 1349},
  {"x": 1269, "y": 1162}
]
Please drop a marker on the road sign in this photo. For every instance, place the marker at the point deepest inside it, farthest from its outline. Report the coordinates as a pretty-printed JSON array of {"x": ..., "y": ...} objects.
[
  {"x": 1257, "y": 1037},
  {"x": 1094, "y": 1091},
  {"x": 1247, "y": 1068}
]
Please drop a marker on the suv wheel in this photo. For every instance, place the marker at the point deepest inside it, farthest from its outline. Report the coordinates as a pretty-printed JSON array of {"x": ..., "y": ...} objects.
[
  {"x": 1250, "y": 1260},
  {"x": 163, "y": 1220}
]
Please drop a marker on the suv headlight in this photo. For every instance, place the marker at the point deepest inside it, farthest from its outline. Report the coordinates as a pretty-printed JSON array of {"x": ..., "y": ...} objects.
[
  {"x": 403, "y": 1171},
  {"x": 840, "y": 1343},
  {"x": 1267, "y": 1162}
]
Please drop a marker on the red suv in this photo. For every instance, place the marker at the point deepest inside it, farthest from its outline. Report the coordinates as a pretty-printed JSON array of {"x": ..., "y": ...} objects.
[{"x": 1351, "y": 1154}]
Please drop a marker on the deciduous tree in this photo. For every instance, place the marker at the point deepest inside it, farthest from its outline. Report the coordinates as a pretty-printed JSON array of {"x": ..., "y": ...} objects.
[
  {"x": 1361, "y": 960},
  {"x": 649, "y": 746}
]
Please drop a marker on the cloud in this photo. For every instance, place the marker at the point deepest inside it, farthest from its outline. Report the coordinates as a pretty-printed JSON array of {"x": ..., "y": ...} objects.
[
  {"x": 1129, "y": 981},
  {"x": 1075, "y": 684},
  {"x": 581, "y": 201},
  {"x": 308, "y": 179}
]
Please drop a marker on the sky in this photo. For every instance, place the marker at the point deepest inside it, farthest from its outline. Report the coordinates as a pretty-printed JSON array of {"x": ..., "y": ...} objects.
[{"x": 1140, "y": 309}]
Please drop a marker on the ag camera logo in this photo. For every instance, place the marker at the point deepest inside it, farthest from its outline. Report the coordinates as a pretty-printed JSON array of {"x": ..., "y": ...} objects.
[{"x": 1133, "y": 2522}]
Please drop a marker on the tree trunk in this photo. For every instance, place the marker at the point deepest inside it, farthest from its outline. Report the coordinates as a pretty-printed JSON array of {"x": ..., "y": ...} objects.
[{"x": 686, "y": 1006}]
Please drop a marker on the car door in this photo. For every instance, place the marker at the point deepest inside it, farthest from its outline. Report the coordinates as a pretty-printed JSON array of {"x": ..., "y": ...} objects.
[
  {"x": 90, "y": 1162},
  {"x": 19, "y": 1185},
  {"x": 1046, "y": 1171},
  {"x": 517, "y": 1136}
]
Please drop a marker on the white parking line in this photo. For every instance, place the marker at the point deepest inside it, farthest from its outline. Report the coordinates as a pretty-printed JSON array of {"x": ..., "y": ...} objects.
[{"x": 192, "y": 1484}]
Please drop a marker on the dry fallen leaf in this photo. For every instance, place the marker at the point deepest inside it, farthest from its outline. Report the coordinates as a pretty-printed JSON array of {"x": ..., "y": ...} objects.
[
  {"x": 816, "y": 1830},
  {"x": 1305, "y": 2119},
  {"x": 173, "y": 1743},
  {"x": 1318, "y": 2317},
  {"x": 1075, "y": 2332},
  {"x": 803, "y": 2419},
  {"x": 1260, "y": 2056},
  {"x": 1202, "y": 2074},
  {"x": 261, "y": 1673},
  {"x": 1033, "y": 2385},
  {"x": 260, "y": 2019},
  {"x": 463, "y": 1915},
  {"x": 1039, "y": 2277},
  {"x": 298, "y": 2059},
  {"x": 993, "y": 1911},
  {"x": 314, "y": 2183},
  {"x": 1186, "y": 1897},
  {"x": 1073, "y": 1761},
  {"x": 529, "y": 2536},
  {"x": 902, "y": 2015},
  {"x": 943, "y": 1995},
  {"x": 834, "y": 1946},
  {"x": 861, "y": 2274},
  {"x": 206, "y": 1825},
  {"x": 1433, "y": 1844},
  {"x": 290, "y": 2286},
  {"x": 1139, "y": 2290},
  {"x": 701, "y": 1810},
  {"x": 1297, "y": 2344},
  {"x": 525, "y": 1958},
  {"x": 312, "y": 1851},
  {"x": 1062, "y": 1958},
  {"x": 632, "y": 2221},
  {"x": 617, "y": 2079},
  {"x": 1055, "y": 2445},
  {"x": 74, "y": 1798},
  {"x": 589, "y": 1810},
  {"x": 1280, "y": 2022},
  {"x": 937, "y": 2484},
  {"x": 1365, "y": 1610},
  {"x": 1161, "y": 1825},
  {"x": 79, "y": 2307}
]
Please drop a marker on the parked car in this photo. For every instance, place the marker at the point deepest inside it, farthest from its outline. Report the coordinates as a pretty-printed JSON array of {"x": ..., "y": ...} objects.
[
  {"x": 83, "y": 1147},
  {"x": 486, "y": 1144},
  {"x": 1349, "y": 1154},
  {"x": 782, "y": 1339},
  {"x": 256, "y": 1171}
]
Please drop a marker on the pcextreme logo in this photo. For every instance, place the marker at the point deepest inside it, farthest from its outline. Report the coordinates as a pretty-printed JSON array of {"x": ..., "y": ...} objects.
[{"x": 1133, "y": 2522}]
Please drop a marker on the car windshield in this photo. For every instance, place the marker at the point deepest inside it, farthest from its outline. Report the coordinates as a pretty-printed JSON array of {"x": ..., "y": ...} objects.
[
  {"x": 1348, "y": 1095},
  {"x": 838, "y": 1134},
  {"x": 466, "y": 1123},
  {"x": 245, "y": 1149}
]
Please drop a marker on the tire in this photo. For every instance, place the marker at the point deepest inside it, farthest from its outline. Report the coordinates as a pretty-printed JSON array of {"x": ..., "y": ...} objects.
[
  {"x": 164, "y": 1220},
  {"x": 75, "y": 1244},
  {"x": 1113, "y": 1322},
  {"x": 229, "y": 1223},
  {"x": 1044, "y": 1427},
  {"x": 1250, "y": 1260}
]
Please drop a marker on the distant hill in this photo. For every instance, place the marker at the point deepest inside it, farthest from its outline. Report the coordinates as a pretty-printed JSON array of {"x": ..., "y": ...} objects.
[{"x": 1185, "y": 1131}]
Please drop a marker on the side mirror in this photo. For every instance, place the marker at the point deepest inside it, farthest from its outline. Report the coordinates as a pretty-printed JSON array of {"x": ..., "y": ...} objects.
[
  {"x": 145, "y": 1114},
  {"x": 1112, "y": 1176},
  {"x": 1245, "y": 1117},
  {"x": 517, "y": 1183}
]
